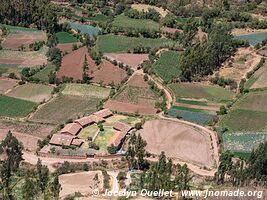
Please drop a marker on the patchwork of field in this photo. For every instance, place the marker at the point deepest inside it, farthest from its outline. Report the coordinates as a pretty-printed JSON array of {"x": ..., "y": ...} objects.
[
  {"x": 123, "y": 23},
  {"x": 64, "y": 107},
  {"x": 178, "y": 141},
  {"x": 32, "y": 92},
  {"x": 6, "y": 84},
  {"x": 12, "y": 107},
  {"x": 248, "y": 114},
  {"x": 64, "y": 37},
  {"x": 134, "y": 97},
  {"x": 115, "y": 43},
  {"x": 132, "y": 60},
  {"x": 85, "y": 90},
  {"x": 82, "y": 182},
  {"x": 20, "y": 36},
  {"x": 242, "y": 62},
  {"x": 145, "y": 8},
  {"x": 167, "y": 66}
]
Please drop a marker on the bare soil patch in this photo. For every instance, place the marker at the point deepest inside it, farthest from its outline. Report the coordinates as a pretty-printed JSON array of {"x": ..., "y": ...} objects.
[
  {"x": 83, "y": 182},
  {"x": 6, "y": 84},
  {"x": 178, "y": 141},
  {"x": 72, "y": 64},
  {"x": 133, "y": 60},
  {"x": 34, "y": 62},
  {"x": 29, "y": 142},
  {"x": 145, "y": 7},
  {"x": 107, "y": 73},
  {"x": 138, "y": 81},
  {"x": 66, "y": 48}
]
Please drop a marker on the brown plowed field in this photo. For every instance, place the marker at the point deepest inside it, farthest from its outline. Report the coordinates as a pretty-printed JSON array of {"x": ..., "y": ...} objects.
[
  {"x": 133, "y": 60},
  {"x": 66, "y": 47},
  {"x": 34, "y": 62},
  {"x": 137, "y": 81},
  {"x": 178, "y": 141},
  {"x": 130, "y": 108},
  {"x": 72, "y": 64},
  {"x": 14, "y": 41},
  {"x": 108, "y": 73}
]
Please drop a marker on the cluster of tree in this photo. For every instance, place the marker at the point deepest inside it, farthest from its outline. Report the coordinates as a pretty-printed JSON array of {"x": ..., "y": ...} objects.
[
  {"x": 150, "y": 14},
  {"x": 36, "y": 180},
  {"x": 244, "y": 172},
  {"x": 54, "y": 55},
  {"x": 36, "y": 46},
  {"x": 160, "y": 176},
  {"x": 41, "y": 13},
  {"x": 136, "y": 153},
  {"x": 206, "y": 56},
  {"x": 223, "y": 82}
]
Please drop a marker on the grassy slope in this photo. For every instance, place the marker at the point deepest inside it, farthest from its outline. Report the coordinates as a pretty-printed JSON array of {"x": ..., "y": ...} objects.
[
  {"x": 44, "y": 73},
  {"x": 12, "y": 107},
  {"x": 64, "y": 37},
  {"x": 114, "y": 43}
]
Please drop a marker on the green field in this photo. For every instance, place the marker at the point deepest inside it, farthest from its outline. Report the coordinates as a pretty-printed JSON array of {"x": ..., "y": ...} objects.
[
  {"x": 31, "y": 92},
  {"x": 12, "y": 107},
  {"x": 65, "y": 107},
  {"x": 200, "y": 91},
  {"x": 85, "y": 90},
  {"x": 64, "y": 37},
  {"x": 167, "y": 66},
  {"x": 103, "y": 138},
  {"x": 43, "y": 75},
  {"x": 18, "y": 28},
  {"x": 191, "y": 102},
  {"x": 123, "y": 23},
  {"x": 99, "y": 18},
  {"x": 115, "y": 43}
]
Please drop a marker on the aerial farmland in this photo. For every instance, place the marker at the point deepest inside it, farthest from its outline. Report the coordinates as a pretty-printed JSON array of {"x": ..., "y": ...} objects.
[{"x": 125, "y": 99}]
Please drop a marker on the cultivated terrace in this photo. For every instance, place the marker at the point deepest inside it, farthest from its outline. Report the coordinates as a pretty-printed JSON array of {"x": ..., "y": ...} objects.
[{"x": 106, "y": 99}]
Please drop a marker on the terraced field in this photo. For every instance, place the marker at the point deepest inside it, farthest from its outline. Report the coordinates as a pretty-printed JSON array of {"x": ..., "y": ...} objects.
[
  {"x": 115, "y": 43},
  {"x": 43, "y": 75},
  {"x": 64, "y": 37},
  {"x": 12, "y": 107},
  {"x": 32, "y": 92}
]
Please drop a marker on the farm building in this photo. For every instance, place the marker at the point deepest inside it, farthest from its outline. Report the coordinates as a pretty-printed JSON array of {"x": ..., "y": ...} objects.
[
  {"x": 105, "y": 113},
  {"x": 123, "y": 129},
  {"x": 86, "y": 121},
  {"x": 71, "y": 129},
  {"x": 66, "y": 140}
]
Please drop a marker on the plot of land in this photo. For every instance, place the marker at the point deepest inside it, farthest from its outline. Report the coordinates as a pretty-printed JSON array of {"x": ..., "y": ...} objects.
[
  {"x": 91, "y": 30},
  {"x": 134, "y": 97},
  {"x": 99, "y": 18},
  {"x": 32, "y": 92},
  {"x": 6, "y": 84},
  {"x": 178, "y": 141},
  {"x": 242, "y": 62},
  {"x": 201, "y": 91},
  {"x": 115, "y": 43},
  {"x": 12, "y": 107},
  {"x": 123, "y": 23},
  {"x": 259, "y": 79},
  {"x": 83, "y": 182},
  {"x": 145, "y": 8},
  {"x": 43, "y": 75},
  {"x": 67, "y": 47},
  {"x": 72, "y": 64},
  {"x": 64, "y": 37},
  {"x": 17, "y": 38},
  {"x": 86, "y": 90},
  {"x": 167, "y": 66},
  {"x": 133, "y": 60},
  {"x": 64, "y": 107},
  {"x": 107, "y": 73}
]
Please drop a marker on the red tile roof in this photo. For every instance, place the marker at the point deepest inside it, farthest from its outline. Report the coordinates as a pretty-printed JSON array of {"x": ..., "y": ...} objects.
[
  {"x": 72, "y": 129},
  {"x": 61, "y": 139},
  {"x": 85, "y": 121},
  {"x": 123, "y": 127},
  {"x": 103, "y": 113},
  {"x": 77, "y": 142}
]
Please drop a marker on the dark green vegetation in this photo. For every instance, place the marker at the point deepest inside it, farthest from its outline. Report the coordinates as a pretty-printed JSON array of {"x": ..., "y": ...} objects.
[
  {"x": 45, "y": 74},
  {"x": 24, "y": 182},
  {"x": 64, "y": 37},
  {"x": 115, "y": 43},
  {"x": 12, "y": 107},
  {"x": 244, "y": 172},
  {"x": 167, "y": 66}
]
